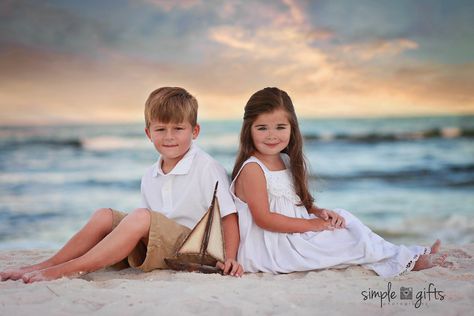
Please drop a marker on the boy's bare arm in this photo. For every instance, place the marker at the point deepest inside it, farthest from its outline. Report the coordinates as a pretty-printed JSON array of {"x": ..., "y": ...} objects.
[{"x": 230, "y": 224}]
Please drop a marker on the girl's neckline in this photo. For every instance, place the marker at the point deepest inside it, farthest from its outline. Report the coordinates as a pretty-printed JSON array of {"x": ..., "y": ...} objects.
[{"x": 268, "y": 169}]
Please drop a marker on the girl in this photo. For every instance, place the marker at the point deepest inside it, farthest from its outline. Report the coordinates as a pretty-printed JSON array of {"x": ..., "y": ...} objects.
[{"x": 281, "y": 230}]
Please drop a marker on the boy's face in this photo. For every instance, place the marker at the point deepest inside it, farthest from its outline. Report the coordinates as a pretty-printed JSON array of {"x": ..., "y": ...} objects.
[{"x": 172, "y": 140}]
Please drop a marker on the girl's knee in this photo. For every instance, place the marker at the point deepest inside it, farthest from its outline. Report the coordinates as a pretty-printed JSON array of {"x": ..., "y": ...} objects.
[
  {"x": 342, "y": 212},
  {"x": 348, "y": 216}
]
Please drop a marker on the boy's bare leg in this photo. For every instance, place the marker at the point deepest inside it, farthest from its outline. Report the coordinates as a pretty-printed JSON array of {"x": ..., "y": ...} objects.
[
  {"x": 98, "y": 226},
  {"x": 111, "y": 249},
  {"x": 431, "y": 260}
]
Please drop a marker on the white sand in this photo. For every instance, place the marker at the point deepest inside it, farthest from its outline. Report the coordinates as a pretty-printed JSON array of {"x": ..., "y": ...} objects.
[{"x": 130, "y": 292}]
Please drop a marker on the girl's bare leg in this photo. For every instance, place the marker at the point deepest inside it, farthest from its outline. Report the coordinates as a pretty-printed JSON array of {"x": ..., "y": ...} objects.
[
  {"x": 431, "y": 260},
  {"x": 111, "y": 249},
  {"x": 98, "y": 226}
]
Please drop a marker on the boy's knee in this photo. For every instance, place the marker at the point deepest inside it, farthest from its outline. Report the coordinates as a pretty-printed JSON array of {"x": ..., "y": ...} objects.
[
  {"x": 140, "y": 217},
  {"x": 102, "y": 214}
]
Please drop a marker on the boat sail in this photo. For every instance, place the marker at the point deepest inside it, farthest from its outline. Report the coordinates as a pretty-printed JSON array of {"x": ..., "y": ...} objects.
[{"x": 204, "y": 246}]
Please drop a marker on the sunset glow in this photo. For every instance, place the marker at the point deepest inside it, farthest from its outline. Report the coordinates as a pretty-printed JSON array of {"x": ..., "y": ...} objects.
[{"x": 68, "y": 61}]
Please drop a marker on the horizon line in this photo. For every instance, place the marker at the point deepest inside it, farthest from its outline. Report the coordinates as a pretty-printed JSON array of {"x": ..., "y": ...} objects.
[{"x": 228, "y": 119}]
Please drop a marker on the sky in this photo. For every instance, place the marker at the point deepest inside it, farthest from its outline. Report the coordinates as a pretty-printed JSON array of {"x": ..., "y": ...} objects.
[{"x": 97, "y": 61}]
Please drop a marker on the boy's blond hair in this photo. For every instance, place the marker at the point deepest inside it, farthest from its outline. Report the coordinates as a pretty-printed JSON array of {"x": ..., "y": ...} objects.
[{"x": 171, "y": 105}]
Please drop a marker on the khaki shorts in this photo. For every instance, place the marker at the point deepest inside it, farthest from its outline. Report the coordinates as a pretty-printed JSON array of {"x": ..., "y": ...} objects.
[{"x": 164, "y": 238}]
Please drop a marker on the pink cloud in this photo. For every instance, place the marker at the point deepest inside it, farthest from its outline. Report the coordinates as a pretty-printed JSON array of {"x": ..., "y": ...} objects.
[{"x": 379, "y": 48}]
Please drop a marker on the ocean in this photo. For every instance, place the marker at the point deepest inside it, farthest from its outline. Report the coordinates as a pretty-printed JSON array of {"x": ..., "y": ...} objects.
[{"x": 411, "y": 180}]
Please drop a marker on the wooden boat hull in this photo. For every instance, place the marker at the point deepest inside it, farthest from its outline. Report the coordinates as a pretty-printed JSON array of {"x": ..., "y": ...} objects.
[{"x": 179, "y": 265}]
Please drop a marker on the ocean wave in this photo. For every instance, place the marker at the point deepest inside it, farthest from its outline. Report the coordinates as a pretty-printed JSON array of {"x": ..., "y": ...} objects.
[
  {"x": 223, "y": 142},
  {"x": 448, "y": 176},
  {"x": 18, "y": 181},
  {"x": 100, "y": 143},
  {"x": 444, "y": 132},
  {"x": 457, "y": 228},
  {"x": 76, "y": 143},
  {"x": 108, "y": 143}
]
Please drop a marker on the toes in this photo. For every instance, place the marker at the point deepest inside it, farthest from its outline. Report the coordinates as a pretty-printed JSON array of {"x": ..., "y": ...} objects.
[
  {"x": 15, "y": 276},
  {"x": 25, "y": 279},
  {"x": 439, "y": 260},
  {"x": 9, "y": 275},
  {"x": 435, "y": 247}
]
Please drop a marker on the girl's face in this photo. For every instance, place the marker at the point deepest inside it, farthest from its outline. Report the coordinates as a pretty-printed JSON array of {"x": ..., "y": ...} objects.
[{"x": 271, "y": 132}]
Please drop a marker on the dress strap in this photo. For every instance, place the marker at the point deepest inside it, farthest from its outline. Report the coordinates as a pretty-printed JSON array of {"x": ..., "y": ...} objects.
[{"x": 251, "y": 159}]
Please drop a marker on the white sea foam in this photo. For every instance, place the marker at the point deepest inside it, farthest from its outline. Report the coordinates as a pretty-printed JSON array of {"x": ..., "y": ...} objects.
[
  {"x": 107, "y": 143},
  {"x": 450, "y": 132},
  {"x": 454, "y": 228},
  {"x": 223, "y": 141}
]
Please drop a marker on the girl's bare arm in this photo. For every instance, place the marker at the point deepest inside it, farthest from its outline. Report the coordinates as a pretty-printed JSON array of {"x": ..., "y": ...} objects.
[{"x": 251, "y": 188}]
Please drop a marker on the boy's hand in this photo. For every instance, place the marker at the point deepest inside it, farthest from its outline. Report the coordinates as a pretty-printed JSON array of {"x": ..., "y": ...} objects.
[{"x": 231, "y": 267}]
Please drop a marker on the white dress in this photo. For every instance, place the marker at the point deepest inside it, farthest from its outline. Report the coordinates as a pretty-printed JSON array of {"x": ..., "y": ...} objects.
[{"x": 266, "y": 251}]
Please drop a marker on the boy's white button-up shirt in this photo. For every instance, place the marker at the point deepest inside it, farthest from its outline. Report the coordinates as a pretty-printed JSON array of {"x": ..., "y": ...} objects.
[{"x": 185, "y": 193}]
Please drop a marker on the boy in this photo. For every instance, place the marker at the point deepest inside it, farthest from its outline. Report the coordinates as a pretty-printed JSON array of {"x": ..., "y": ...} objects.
[{"x": 176, "y": 192}]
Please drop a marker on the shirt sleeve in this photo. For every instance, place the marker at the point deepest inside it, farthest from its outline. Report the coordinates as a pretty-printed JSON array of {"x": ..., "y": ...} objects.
[
  {"x": 143, "y": 200},
  {"x": 215, "y": 172}
]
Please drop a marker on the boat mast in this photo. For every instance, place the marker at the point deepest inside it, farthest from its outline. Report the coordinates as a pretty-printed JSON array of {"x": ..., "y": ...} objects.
[{"x": 207, "y": 231}]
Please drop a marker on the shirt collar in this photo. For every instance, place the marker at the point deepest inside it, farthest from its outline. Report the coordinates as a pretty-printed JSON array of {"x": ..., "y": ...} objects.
[{"x": 182, "y": 167}]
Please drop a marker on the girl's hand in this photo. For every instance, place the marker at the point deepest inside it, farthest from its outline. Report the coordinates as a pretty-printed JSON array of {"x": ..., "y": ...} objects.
[
  {"x": 336, "y": 220},
  {"x": 318, "y": 224},
  {"x": 232, "y": 267}
]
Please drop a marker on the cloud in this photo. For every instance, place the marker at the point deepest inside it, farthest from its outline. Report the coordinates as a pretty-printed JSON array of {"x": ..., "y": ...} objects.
[
  {"x": 68, "y": 88},
  {"x": 222, "y": 54},
  {"x": 440, "y": 83},
  {"x": 168, "y": 5},
  {"x": 379, "y": 48},
  {"x": 47, "y": 27},
  {"x": 366, "y": 78}
]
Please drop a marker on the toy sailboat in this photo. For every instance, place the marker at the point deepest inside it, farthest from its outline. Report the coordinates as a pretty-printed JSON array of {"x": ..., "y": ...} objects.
[{"x": 204, "y": 246}]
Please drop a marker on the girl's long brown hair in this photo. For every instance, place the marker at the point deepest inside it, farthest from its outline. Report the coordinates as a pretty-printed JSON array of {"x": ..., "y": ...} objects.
[{"x": 265, "y": 101}]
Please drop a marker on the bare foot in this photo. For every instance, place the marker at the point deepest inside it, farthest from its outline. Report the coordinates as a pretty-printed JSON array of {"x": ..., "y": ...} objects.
[
  {"x": 429, "y": 261},
  {"x": 17, "y": 273},
  {"x": 436, "y": 246},
  {"x": 47, "y": 274},
  {"x": 33, "y": 276}
]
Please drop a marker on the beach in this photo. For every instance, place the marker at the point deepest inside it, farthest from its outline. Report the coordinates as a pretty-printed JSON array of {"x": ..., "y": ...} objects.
[
  {"x": 407, "y": 179},
  {"x": 354, "y": 291}
]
